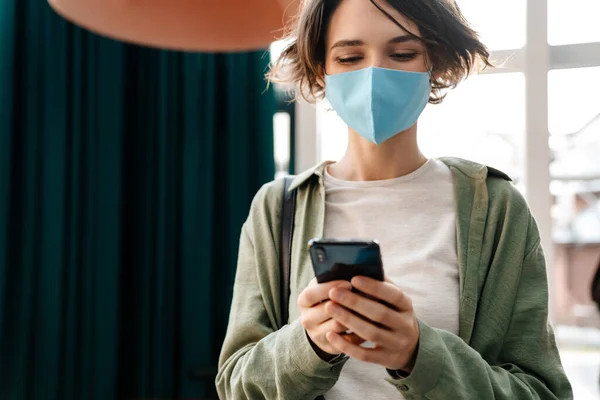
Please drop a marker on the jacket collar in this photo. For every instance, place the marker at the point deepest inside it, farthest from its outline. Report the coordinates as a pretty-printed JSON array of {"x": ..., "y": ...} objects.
[
  {"x": 469, "y": 168},
  {"x": 304, "y": 177}
]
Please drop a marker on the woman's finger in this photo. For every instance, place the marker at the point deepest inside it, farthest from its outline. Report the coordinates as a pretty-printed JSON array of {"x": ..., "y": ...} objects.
[
  {"x": 314, "y": 316},
  {"x": 313, "y": 295},
  {"x": 369, "y": 309},
  {"x": 332, "y": 326},
  {"x": 385, "y": 291},
  {"x": 364, "y": 329},
  {"x": 375, "y": 356},
  {"x": 353, "y": 338}
]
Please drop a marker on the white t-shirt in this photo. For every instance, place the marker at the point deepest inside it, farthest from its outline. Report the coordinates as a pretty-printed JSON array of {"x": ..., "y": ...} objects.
[{"x": 414, "y": 219}]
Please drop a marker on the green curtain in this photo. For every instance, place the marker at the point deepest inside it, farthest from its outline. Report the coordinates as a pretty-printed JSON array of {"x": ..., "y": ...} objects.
[{"x": 125, "y": 176}]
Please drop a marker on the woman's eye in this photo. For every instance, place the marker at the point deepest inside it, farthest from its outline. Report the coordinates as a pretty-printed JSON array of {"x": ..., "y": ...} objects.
[
  {"x": 404, "y": 56},
  {"x": 348, "y": 60}
]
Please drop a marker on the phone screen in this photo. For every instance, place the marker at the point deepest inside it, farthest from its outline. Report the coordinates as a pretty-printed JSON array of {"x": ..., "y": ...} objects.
[{"x": 343, "y": 260}]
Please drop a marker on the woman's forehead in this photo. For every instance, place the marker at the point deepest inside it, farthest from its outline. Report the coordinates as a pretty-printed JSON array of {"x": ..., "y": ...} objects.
[{"x": 354, "y": 19}]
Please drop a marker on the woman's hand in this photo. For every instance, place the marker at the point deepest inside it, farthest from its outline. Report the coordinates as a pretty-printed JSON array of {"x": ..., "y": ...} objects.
[
  {"x": 392, "y": 326},
  {"x": 317, "y": 323}
]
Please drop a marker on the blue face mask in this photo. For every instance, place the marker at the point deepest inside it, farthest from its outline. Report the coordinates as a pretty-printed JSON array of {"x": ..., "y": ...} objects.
[{"x": 378, "y": 103}]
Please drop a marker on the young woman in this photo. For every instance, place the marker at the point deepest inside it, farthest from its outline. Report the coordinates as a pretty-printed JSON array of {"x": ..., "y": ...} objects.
[{"x": 465, "y": 273}]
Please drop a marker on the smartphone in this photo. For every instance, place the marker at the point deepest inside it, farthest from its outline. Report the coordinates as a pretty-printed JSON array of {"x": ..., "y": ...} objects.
[{"x": 343, "y": 259}]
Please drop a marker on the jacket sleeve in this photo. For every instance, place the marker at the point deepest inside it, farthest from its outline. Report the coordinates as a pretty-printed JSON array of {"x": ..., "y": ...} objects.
[
  {"x": 259, "y": 361},
  {"x": 527, "y": 366}
]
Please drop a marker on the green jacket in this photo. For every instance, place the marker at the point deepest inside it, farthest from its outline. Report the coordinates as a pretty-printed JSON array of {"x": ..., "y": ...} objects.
[{"x": 505, "y": 348}]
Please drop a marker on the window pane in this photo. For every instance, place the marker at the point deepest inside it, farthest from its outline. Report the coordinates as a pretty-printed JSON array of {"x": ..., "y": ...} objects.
[
  {"x": 483, "y": 120},
  {"x": 574, "y": 122},
  {"x": 573, "y": 21},
  {"x": 573, "y": 98},
  {"x": 332, "y": 133},
  {"x": 281, "y": 138},
  {"x": 489, "y": 18},
  {"x": 276, "y": 48},
  {"x": 579, "y": 355}
]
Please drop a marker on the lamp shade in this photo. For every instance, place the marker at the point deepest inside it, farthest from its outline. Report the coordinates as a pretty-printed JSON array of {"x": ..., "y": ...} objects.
[{"x": 194, "y": 25}]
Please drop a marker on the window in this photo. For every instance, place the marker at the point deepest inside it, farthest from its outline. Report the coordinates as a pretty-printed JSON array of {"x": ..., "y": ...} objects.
[
  {"x": 574, "y": 122},
  {"x": 500, "y": 24},
  {"x": 573, "y": 21},
  {"x": 283, "y": 120},
  {"x": 332, "y": 133},
  {"x": 483, "y": 120},
  {"x": 573, "y": 98},
  {"x": 281, "y": 131},
  {"x": 276, "y": 48}
]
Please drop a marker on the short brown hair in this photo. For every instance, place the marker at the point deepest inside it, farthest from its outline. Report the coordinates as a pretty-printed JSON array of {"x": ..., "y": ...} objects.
[{"x": 453, "y": 47}]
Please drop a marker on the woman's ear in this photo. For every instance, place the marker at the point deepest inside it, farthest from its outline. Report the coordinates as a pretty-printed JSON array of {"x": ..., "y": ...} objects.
[{"x": 321, "y": 77}]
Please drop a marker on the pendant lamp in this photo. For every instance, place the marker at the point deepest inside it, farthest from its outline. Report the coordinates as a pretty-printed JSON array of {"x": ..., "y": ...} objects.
[{"x": 193, "y": 25}]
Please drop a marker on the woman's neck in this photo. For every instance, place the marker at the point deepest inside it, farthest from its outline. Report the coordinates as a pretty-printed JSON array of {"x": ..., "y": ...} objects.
[{"x": 365, "y": 161}]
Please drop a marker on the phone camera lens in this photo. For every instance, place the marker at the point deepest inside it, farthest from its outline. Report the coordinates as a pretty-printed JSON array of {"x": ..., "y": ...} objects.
[{"x": 321, "y": 255}]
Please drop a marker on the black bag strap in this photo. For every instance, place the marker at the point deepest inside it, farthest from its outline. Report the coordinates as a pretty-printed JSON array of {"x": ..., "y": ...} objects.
[
  {"x": 288, "y": 209},
  {"x": 596, "y": 286}
]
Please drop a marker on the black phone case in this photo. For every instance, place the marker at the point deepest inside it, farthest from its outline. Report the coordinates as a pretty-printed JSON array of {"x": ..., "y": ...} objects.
[{"x": 345, "y": 259}]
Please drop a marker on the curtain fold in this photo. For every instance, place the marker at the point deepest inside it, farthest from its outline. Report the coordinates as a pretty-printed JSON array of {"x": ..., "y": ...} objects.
[{"x": 125, "y": 176}]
